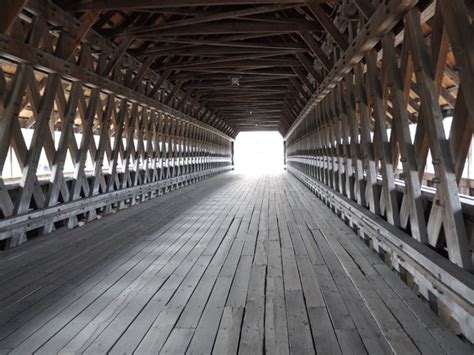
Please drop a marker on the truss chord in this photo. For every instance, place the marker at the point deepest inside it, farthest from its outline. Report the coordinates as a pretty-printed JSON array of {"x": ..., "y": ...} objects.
[{"x": 106, "y": 104}]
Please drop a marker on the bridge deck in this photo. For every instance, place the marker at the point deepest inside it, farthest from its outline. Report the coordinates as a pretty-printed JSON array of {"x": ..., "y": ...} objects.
[{"x": 232, "y": 264}]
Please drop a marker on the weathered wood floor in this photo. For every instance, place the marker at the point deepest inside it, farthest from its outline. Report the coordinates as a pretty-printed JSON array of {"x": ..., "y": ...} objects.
[{"x": 232, "y": 264}]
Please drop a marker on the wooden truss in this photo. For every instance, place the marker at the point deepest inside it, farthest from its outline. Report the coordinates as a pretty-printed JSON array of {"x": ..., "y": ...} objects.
[
  {"x": 340, "y": 138},
  {"x": 150, "y": 147},
  {"x": 157, "y": 90},
  {"x": 146, "y": 96}
]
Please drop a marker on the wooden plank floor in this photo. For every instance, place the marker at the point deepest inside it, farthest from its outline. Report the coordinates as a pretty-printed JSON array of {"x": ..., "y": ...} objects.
[{"x": 230, "y": 265}]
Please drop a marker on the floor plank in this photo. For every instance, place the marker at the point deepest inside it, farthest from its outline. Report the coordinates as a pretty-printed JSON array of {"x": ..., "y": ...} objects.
[{"x": 234, "y": 264}]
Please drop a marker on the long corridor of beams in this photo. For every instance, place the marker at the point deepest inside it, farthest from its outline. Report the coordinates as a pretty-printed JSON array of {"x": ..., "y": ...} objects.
[
  {"x": 108, "y": 107},
  {"x": 233, "y": 264}
]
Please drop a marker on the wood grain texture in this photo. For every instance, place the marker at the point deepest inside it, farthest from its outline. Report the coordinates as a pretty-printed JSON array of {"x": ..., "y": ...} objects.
[{"x": 232, "y": 264}]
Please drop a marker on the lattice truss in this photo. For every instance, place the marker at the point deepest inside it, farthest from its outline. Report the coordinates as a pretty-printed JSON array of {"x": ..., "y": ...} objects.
[
  {"x": 149, "y": 147},
  {"x": 332, "y": 76},
  {"x": 416, "y": 70}
]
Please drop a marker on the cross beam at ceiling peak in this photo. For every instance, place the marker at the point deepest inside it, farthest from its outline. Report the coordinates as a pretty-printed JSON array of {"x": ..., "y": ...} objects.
[{"x": 153, "y": 4}]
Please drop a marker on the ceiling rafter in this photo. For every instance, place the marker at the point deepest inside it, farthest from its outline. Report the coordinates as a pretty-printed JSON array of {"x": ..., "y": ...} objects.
[{"x": 230, "y": 55}]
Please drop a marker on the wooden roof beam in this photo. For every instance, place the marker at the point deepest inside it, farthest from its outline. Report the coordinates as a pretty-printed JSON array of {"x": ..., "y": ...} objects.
[
  {"x": 302, "y": 76},
  {"x": 228, "y": 62},
  {"x": 82, "y": 5},
  {"x": 309, "y": 67},
  {"x": 222, "y": 86},
  {"x": 140, "y": 30},
  {"x": 237, "y": 89},
  {"x": 68, "y": 42},
  {"x": 205, "y": 50},
  {"x": 365, "y": 7},
  {"x": 235, "y": 43},
  {"x": 316, "y": 49},
  {"x": 325, "y": 21},
  {"x": 10, "y": 11},
  {"x": 253, "y": 109},
  {"x": 232, "y": 27},
  {"x": 205, "y": 73}
]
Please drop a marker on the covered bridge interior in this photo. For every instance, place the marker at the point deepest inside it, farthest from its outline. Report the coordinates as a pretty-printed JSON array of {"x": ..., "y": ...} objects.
[{"x": 125, "y": 229}]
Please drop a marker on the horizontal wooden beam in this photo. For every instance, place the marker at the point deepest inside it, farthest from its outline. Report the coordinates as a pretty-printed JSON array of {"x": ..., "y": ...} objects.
[
  {"x": 205, "y": 73},
  {"x": 233, "y": 27},
  {"x": 234, "y": 60},
  {"x": 223, "y": 15},
  {"x": 82, "y": 5},
  {"x": 237, "y": 43},
  {"x": 191, "y": 50}
]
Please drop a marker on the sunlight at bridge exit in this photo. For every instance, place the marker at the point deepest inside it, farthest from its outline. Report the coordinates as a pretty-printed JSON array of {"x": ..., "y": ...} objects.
[{"x": 259, "y": 152}]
